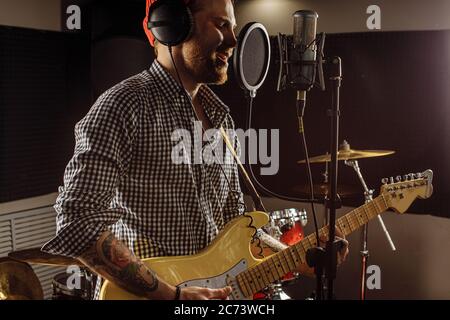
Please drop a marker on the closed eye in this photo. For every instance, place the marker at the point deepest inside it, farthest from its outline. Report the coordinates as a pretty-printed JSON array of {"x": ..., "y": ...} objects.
[{"x": 223, "y": 23}]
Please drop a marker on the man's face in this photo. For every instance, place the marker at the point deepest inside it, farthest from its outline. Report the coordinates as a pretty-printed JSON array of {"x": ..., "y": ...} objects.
[{"x": 206, "y": 52}]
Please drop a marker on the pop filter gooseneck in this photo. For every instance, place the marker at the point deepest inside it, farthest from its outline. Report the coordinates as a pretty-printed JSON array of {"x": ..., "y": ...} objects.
[{"x": 251, "y": 63}]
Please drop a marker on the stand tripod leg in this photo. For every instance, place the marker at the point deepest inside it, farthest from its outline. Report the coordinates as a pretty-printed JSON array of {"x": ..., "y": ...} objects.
[{"x": 388, "y": 236}]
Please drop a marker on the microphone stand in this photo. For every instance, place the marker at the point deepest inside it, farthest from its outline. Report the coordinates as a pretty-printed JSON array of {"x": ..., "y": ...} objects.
[
  {"x": 317, "y": 257},
  {"x": 333, "y": 202}
]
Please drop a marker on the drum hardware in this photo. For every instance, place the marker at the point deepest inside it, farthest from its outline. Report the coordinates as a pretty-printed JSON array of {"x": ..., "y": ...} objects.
[
  {"x": 321, "y": 190},
  {"x": 35, "y": 255},
  {"x": 364, "y": 238},
  {"x": 350, "y": 156},
  {"x": 76, "y": 285},
  {"x": 345, "y": 153},
  {"x": 73, "y": 286},
  {"x": 18, "y": 281}
]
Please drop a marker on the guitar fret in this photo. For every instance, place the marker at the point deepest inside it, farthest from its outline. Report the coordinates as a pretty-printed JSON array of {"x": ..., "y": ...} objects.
[
  {"x": 367, "y": 216},
  {"x": 295, "y": 258},
  {"x": 375, "y": 209},
  {"x": 298, "y": 251},
  {"x": 349, "y": 223},
  {"x": 254, "y": 274},
  {"x": 279, "y": 275},
  {"x": 341, "y": 225},
  {"x": 378, "y": 209},
  {"x": 282, "y": 264},
  {"x": 268, "y": 272},
  {"x": 273, "y": 268},
  {"x": 304, "y": 245},
  {"x": 283, "y": 268},
  {"x": 250, "y": 282},
  {"x": 264, "y": 274},
  {"x": 270, "y": 264},
  {"x": 382, "y": 208},
  {"x": 358, "y": 217},
  {"x": 366, "y": 207},
  {"x": 311, "y": 244},
  {"x": 289, "y": 259},
  {"x": 355, "y": 223},
  {"x": 352, "y": 219},
  {"x": 243, "y": 284}
]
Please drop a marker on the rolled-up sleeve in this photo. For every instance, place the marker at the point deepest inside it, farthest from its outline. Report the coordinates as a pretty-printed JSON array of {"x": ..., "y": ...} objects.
[{"x": 103, "y": 152}]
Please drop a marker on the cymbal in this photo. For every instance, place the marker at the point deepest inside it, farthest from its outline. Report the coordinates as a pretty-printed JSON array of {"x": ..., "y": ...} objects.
[
  {"x": 345, "y": 153},
  {"x": 18, "y": 281},
  {"x": 35, "y": 255},
  {"x": 321, "y": 189}
]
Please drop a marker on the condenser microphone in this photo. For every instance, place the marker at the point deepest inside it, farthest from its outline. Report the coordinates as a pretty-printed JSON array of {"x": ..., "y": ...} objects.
[
  {"x": 298, "y": 53},
  {"x": 303, "y": 51}
]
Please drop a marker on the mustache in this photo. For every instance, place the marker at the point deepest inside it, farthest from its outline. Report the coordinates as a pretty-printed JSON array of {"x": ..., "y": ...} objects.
[{"x": 225, "y": 50}]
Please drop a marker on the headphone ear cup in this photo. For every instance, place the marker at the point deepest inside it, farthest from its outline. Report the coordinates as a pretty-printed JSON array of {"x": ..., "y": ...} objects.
[{"x": 170, "y": 21}]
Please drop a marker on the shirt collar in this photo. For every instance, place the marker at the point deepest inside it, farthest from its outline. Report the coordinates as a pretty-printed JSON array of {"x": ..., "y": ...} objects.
[{"x": 215, "y": 109}]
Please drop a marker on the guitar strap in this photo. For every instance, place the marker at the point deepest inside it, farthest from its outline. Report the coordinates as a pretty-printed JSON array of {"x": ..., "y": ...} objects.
[{"x": 248, "y": 182}]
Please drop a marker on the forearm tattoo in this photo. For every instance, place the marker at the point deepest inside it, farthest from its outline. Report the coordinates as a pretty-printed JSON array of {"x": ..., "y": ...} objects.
[{"x": 114, "y": 261}]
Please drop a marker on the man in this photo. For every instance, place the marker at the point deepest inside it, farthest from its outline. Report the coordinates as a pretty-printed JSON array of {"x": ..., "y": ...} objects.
[{"x": 123, "y": 197}]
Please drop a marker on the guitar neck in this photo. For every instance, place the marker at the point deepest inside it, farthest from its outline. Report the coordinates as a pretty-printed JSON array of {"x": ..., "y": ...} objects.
[{"x": 276, "y": 266}]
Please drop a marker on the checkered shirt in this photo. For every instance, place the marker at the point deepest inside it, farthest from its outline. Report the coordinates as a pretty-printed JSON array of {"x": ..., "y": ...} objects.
[{"x": 122, "y": 177}]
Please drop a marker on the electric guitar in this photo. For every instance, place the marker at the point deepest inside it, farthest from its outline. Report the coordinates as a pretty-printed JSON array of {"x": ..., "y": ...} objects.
[{"x": 229, "y": 261}]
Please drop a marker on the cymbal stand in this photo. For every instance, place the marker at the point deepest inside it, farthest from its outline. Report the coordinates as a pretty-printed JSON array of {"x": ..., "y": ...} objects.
[{"x": 368, "y": 195}]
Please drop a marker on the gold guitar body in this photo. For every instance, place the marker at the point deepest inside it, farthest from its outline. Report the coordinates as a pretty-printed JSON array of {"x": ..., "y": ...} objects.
[
  {"x": 228, "y": 259},
  {"x": 210, "y": 266}
]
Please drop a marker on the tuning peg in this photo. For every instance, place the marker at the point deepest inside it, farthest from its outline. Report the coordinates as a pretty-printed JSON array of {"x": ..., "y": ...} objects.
[
  {"x": 398, "y": 178},
  {"x": 413, "y": 176},
  {"x": 419, "y": 175},
  {"x": 405, "y": 177},
  {"x": 391, "y": 180},
  {"x": 384, "y": 180}
]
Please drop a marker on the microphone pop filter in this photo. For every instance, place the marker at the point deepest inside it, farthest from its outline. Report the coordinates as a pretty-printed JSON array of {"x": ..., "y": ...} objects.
[{"x": 251, "y": 59}]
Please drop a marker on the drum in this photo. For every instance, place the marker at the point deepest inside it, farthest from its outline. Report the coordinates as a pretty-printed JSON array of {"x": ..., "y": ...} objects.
[
  {"x": 72, "y": 286},
  {"x": 285, "y": 225}
]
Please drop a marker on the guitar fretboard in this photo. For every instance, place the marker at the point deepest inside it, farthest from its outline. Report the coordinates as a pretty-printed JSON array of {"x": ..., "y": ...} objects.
[{"x": 277, "y": 265}]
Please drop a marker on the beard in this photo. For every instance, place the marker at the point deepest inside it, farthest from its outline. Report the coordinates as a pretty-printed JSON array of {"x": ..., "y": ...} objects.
[{"x": 204, "y": 65}]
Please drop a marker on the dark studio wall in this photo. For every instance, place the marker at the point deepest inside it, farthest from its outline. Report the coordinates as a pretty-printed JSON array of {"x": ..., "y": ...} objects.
[
  {"x": 48, "y": 82},
  {"x": 394, "y": 96},
  {"x": 43, "y": 81}
]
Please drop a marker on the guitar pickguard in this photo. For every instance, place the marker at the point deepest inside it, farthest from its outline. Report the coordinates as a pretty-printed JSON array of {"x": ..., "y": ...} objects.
[{"x": 227, "y": 278}]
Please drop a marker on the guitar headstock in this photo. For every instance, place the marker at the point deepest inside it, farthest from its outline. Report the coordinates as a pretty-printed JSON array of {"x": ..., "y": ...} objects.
[{"x": 400, "y": 194}]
